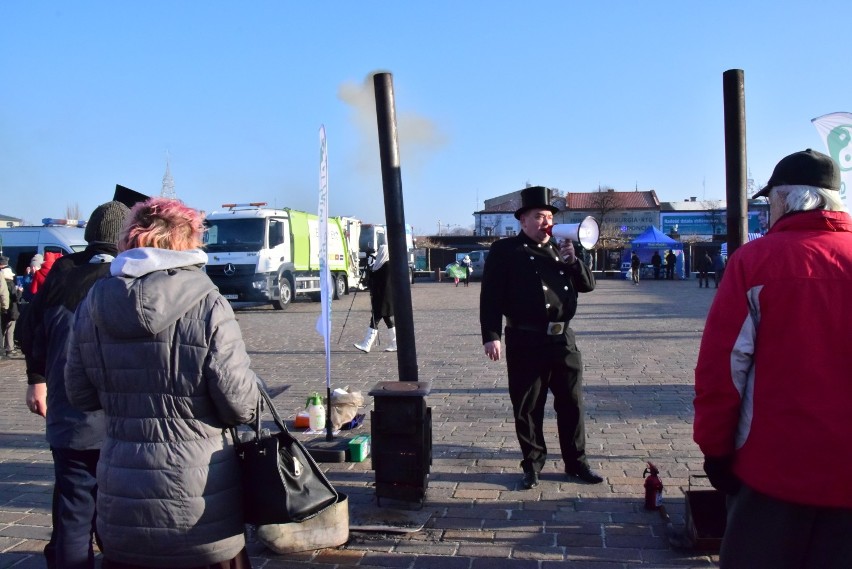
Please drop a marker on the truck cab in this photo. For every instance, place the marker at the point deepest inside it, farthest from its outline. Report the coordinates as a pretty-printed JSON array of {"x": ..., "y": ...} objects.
[{"x": 267, "y": 255}]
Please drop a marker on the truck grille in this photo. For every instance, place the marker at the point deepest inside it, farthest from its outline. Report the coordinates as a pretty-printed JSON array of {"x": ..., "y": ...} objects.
[{"x": 230, "y": 270}]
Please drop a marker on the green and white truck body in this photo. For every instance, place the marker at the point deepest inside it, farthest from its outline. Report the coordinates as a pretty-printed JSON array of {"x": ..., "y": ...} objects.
[{"x": 265, "y": 255}]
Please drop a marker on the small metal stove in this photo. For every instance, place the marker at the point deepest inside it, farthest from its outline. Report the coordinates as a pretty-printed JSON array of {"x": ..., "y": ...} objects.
[{"x": 401, "y": 426}]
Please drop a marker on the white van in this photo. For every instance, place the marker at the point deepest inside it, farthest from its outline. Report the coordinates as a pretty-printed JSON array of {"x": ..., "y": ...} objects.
[
  {"x": 477, "y": 262},
  {"x": 22, "y": 242}
]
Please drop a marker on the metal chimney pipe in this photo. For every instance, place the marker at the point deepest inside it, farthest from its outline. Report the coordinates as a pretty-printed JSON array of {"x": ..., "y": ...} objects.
[
  {"x": 395, "y": 220},
  {"x": 733, "y": 88}
]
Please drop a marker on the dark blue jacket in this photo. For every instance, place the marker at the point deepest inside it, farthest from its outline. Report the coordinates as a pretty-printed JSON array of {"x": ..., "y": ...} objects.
[{"x": 45, "y": 328}]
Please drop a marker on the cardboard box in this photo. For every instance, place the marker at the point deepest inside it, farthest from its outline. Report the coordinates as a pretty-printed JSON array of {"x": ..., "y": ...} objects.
[{"x": 359, "y": 448}]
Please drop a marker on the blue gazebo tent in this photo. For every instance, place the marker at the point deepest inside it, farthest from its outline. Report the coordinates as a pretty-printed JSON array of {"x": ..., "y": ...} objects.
[{"x": 652, "y": 239}]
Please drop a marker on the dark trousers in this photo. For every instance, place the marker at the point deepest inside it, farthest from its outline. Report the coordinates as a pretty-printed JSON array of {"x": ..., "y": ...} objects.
[
  {"x": 73, "y": 509},
  {"x": 656, "y": 273},
  {"x": 703, "y": 279},
  {"x": 766, "y": 532},
  {"x": 537, "y": 363}
]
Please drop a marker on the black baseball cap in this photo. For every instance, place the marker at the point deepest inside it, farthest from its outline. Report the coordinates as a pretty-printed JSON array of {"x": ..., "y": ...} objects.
[{"x": 804, "y": 168}]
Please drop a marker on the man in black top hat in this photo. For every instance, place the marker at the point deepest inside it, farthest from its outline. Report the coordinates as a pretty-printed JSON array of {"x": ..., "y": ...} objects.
[{"x": 535, "y": 285}]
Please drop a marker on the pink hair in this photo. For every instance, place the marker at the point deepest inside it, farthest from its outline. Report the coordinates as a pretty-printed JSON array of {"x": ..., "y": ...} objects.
[{"x": 163, "y": 223}]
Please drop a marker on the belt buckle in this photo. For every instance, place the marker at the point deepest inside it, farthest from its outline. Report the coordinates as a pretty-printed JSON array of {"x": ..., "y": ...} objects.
[{"x": 555, "y": 328}]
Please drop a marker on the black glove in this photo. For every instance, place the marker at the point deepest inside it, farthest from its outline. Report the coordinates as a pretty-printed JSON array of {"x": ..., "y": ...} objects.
[{"x": 721, "y": 474}]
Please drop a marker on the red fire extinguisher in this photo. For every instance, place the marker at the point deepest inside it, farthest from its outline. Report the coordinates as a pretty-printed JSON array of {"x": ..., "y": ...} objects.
[{"x": 653, "y": 488}]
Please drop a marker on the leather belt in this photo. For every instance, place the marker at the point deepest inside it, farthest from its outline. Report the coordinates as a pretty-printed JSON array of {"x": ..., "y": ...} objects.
[{"x": 552, "y": 328}]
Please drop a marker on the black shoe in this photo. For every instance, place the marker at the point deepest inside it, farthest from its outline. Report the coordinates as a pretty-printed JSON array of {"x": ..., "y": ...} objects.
[
  {"x": 530, "y": 480},
  {"x": 583, "y": 473}
]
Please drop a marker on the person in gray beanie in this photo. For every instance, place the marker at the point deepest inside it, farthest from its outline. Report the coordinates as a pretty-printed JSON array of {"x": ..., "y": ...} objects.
[
  {"x": 75, "y": 437},
  {"x": 105, "y": 223}
]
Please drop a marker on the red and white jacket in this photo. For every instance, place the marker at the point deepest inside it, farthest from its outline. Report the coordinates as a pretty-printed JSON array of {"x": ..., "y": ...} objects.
[{"x": 773, "y": 383}]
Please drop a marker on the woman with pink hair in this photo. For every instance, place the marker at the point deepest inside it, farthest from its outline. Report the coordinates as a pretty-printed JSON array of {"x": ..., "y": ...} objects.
[{"x": 158, "y": 349}]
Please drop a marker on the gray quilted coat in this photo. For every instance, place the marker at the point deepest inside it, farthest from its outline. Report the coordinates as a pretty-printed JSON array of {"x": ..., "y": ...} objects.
[{"x": 158, "y": 348}]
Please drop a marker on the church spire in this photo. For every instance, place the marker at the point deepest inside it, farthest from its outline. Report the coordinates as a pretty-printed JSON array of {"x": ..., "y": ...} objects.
[{"x": 168, "y": 190}]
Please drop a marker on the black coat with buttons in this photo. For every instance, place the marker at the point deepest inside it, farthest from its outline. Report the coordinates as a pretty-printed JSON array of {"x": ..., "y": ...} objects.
[{"x": 529, "y": 284}]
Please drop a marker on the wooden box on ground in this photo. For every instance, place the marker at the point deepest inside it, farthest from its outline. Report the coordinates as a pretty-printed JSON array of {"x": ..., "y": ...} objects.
[{"x": 706, "y": 518}]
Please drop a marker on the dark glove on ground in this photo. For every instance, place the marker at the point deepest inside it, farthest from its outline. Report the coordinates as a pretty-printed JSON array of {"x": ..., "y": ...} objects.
[{"x": 721, "y": 474}]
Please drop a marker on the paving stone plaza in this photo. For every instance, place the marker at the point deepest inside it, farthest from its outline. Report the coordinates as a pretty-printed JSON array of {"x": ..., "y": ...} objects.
[{"x": 639, "y": 346}]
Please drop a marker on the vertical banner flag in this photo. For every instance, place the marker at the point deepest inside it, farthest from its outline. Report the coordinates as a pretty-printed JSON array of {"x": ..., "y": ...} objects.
[
  {"x": 836, "y": 132},
  {"x": 324, "y": 320}
]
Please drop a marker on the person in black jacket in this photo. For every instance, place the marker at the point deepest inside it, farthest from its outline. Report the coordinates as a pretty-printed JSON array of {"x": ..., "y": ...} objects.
[
  {"x": 705, "y": 265},
  {"x": 657, "y": 262},
  {"x": 381, "y": 301},
  {"x": 535, "y": 285},
  {"x": 75, "y": 437}
]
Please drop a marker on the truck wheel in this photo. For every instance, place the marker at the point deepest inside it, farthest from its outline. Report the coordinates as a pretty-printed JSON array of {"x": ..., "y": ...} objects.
[
  {"x": 340, "y": 286},
  {"x": 286, "y": 294}
]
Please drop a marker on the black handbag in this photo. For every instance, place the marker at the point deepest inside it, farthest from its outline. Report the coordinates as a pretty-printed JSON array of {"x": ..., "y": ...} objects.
[{"x": 281, "y": 482}]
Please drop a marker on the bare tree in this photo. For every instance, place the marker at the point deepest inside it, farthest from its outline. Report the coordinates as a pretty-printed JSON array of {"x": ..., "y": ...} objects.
[
  {"x": 715, "y": 214},
  {"x": 72, "y": 211},
  {"x": 603, "y": 202},
  {"x": 612, "y": 237}
]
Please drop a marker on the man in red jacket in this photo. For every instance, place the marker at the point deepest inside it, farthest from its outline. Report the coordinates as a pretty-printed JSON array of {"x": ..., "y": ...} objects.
[{"x": 773, "y": 382}]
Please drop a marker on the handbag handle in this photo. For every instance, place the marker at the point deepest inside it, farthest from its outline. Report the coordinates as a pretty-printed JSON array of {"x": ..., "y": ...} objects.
[{"x": 255, "y": 425}]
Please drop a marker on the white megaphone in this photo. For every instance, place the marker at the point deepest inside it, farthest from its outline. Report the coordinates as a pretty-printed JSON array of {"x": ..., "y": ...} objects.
[{"x": 586, "y": 232}]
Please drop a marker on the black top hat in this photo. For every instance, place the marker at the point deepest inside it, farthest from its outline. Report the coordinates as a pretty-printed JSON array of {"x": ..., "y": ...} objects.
[
  {"x": 127, "y": 196},
  {"x": 805, "y": 168},
  {"x": 535, "y": 197}
]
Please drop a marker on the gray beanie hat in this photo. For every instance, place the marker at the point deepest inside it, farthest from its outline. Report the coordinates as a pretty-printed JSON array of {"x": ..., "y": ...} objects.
[{"x": 105, "y": 223}]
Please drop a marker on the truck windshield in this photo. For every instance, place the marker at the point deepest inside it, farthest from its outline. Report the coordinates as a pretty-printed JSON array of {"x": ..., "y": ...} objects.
[{"x": 234, "y": 235}]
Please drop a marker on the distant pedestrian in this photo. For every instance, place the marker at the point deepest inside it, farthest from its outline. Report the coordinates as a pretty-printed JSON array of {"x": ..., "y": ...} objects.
[
  {"x": 5, "y": 298},
  {"x": 718, "y": 267},
  {"x": 671, "y": 259},
  {"x": 456, "y": 271},
  {"x": 705, "y": 263},
  {"x": 29, "y": 276},
  {"x": 41, "y": 274},
  {"x": 467, "y": 265},
  {"x": 11, "y": 310},
  {"x": 381, "y": 301},
  {"x": 657, "y": 263},
  {"x": 635, "y": 266}
]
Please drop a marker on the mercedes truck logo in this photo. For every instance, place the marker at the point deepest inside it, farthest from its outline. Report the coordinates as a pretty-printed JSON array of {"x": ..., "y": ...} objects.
[{"x": 230, "y": 270}]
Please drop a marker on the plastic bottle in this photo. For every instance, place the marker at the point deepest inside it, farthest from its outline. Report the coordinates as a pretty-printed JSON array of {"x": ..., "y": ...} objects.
[{"x": 316, "y": 412}]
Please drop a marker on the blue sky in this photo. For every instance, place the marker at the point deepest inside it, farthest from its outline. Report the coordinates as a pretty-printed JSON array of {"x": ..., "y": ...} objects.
[{"x": 489, "y": 96}]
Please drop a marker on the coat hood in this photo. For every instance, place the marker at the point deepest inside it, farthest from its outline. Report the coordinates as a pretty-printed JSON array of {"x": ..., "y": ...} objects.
[
  {"x": 49, "y": 258},
  {"x": 149, "y": 290}
]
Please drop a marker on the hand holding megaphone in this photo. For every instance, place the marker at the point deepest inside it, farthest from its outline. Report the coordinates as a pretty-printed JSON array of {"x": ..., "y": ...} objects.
[{"x": 586, "y": 232}]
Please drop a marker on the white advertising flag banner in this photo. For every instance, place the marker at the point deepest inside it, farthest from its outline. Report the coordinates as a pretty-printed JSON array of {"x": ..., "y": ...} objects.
[
  {"x": 836, "y": 132},
  {"x": 324, "y": 320}
]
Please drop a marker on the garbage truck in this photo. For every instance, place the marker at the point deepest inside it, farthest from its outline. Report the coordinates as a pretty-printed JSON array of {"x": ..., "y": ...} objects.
[{"x": 262, "y": 255}]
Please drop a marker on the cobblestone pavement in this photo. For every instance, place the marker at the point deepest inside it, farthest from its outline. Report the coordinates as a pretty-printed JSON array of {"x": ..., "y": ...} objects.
[{"x": 639, "y": 347}]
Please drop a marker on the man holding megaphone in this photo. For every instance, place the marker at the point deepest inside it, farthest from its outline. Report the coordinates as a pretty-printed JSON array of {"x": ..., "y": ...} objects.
[{"x": 534, "y": 283}]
